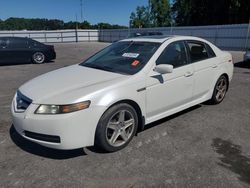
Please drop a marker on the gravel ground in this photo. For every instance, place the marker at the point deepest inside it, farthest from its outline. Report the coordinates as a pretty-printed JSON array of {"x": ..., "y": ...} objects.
[{"x": 204, "y": 146}]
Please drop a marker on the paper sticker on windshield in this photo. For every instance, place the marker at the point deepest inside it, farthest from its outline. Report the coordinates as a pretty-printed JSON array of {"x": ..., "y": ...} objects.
[
  {"x": 135, "y": 63},
  {"x": 130, "y": 55}
]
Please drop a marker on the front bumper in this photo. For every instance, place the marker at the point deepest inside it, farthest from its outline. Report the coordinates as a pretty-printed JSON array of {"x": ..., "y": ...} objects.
[{"x": 74, "y": 130}]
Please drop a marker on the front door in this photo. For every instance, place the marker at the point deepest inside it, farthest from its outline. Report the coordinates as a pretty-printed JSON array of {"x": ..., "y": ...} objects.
[
  {"x": 169, "y": 91},
  {"x": 4, "y": 50},
  {"x": 20, "y": 50}
]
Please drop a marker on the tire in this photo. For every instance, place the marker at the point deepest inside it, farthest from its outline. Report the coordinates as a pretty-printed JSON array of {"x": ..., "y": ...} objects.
[
  {"x": 220, "y": 90},
  {"x": 38, "y": 58},
  {"x": 116, "y": 128}
]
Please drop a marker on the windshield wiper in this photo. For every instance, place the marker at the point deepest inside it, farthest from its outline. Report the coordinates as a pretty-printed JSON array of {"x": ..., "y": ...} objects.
[{"x": 104, "y": 68}]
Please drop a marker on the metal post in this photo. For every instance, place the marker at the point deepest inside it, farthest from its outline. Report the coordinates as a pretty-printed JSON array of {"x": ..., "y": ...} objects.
[
  {"x": 61, "y": 37},
  {"x": 216, "y": 35},
  {"x": 99, "y": 33},
  {"x": 89, "y": 35},
  {"x": 45, "y": 36},
  {"x": 171, "y": 29},
  {"x": 248, "y": 30},
  {"x": 76, "y": 33},
  {"x": 129, "y": 29}
]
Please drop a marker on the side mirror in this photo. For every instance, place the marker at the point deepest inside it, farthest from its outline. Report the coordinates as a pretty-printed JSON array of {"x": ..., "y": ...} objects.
[{"x": 164, "y": 68}]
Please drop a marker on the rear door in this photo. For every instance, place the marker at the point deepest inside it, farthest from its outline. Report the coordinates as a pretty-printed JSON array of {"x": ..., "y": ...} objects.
[{"x": 205, "y": 66}]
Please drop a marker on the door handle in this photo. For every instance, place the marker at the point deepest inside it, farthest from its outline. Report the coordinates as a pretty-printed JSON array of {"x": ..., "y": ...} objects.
[
  {"x": 188, "y": 74},
  {"x": 214, "y": 66}
]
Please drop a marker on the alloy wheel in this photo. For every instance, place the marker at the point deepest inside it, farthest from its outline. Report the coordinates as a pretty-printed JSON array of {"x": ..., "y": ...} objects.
[
  {"x": 221, "y": 89},
  {"x": 38, "y": 57},
  {"x": 120, "y": 128}
]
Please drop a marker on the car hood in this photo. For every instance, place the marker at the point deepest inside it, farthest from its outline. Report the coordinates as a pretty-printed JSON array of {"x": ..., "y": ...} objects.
[{"x": 52, "y": 86}]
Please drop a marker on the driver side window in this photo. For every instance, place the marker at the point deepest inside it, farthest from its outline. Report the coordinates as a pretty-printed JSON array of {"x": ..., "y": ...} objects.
[{"x": 174, "y": 54}]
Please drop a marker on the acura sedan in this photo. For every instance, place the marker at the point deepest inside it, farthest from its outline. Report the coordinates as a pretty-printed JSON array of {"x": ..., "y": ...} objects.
[
  {"x": 106, "y": 99},
  {"x": 20, "y": 50}
]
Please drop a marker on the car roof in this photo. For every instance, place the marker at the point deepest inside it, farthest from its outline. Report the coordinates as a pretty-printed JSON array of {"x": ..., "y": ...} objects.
[
  {"x": 161, "y": 38},
  {"x": 15, "y": 38}
]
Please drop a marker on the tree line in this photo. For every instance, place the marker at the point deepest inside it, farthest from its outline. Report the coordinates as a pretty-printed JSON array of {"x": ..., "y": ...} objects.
[
  {"x": 51, "y": 24},
  {"x": 158, "y": 13},
  {"x": 162, "y": 13}
]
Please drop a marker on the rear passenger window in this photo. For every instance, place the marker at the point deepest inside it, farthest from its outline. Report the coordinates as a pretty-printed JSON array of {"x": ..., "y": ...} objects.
[
  {"x": 197, "y": 51},
  {"x": 174, "y": 54},
  {"x": 35, "y": 43},
  {"x": 210, "y": 51},
  {"x": 18, "y": 43}
]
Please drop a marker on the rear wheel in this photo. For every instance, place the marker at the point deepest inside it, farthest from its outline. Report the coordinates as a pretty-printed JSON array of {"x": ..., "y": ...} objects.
[
  {"x": 220, "y": 90},
  {"x": 116, "y": 127},
  {"x": 38, "y": 58}
]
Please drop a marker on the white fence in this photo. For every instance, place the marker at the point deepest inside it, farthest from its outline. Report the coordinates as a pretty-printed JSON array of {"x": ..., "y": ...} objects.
[
  {"x": 233, "y": 37},
  {"x": 224, "y": 36},
  {"x": 56, "y": 36}
]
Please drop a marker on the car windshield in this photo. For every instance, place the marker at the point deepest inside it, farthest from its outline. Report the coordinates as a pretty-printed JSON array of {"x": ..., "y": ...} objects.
[{"x": 127, "y": 57}]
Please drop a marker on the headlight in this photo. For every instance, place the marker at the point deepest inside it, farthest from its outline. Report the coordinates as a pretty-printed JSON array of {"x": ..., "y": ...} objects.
[{"x": 61, "y": 109}]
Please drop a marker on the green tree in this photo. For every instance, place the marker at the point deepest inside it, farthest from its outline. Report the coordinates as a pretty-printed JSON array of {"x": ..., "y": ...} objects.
[
  {"x": 84, "y": 25},
  {"x": 108, "y": 26},
  {"x": 156, "y": 14},
  {"x": 140, "y": 18},
  {"x": 50, "y": 24},
  {"x": 160, "y": 11},
  {"x": 181, "y": 11},
  {"x": 211, "y": 12}
]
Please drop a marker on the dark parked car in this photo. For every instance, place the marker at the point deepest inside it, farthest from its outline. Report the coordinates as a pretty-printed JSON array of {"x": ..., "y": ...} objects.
[
  {"x": 146, "y": 33},
  {"x": 20, "y": 50},
  {"x": 247, "y": 56}
]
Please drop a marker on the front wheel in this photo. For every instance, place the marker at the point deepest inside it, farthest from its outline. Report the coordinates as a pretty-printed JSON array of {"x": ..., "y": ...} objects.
[
  {"x": 220, "y": 90},
  {"x": 116, "y": 127},
  {"x": 38, "y": 58}
]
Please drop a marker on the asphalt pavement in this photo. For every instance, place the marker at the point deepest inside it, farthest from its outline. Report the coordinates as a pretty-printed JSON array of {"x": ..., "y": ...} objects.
[{"x": 204, "y": 146}]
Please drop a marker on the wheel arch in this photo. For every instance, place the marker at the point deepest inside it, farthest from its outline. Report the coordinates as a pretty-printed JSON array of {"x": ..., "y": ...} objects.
[
  {"x": 135, "y": 105},
  {"x": 227, "y": 77}
]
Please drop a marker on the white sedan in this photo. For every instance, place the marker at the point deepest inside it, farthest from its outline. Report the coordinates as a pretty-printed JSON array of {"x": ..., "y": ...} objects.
[{"x": 106, "y": 99}]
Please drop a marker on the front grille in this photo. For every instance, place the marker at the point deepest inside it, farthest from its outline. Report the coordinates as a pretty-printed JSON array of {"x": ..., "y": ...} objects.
[
  {"x": 43, "y": 137},
  {"x": 22, "y": 102}
]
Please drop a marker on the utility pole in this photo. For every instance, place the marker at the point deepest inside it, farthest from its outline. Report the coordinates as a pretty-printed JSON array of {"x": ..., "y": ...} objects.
[
  {"x": 81, "y": 5},
  {"x": 76, "y": 22},
  {"x": 76, "y": 32}
]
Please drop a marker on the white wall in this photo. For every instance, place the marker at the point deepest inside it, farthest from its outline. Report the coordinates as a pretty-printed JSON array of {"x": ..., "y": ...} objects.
[
  {"x": 233, "y": 37},
  {"x": 56, "y": 36}
]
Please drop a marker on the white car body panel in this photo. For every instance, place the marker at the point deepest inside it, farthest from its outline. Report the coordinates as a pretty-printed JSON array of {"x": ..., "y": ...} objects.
[
  {"x": 156, "y": 95},
  {"x": 165, "y": 92}
]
